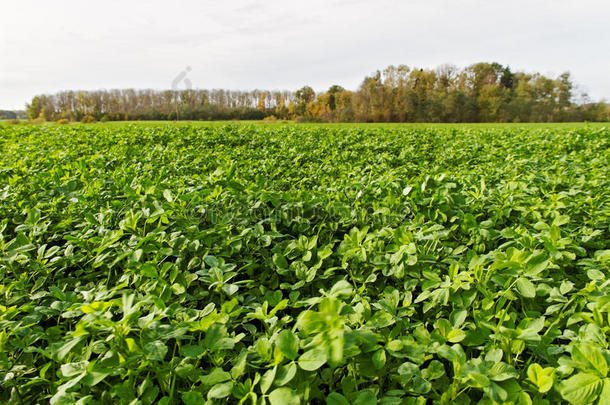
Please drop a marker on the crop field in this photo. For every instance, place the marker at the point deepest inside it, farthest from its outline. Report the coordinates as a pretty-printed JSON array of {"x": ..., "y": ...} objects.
[{"x": 304, "y": 264}]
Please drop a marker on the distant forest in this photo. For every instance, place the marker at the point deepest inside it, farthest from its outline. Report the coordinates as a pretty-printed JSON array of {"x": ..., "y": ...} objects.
[
  {"x": 11, "y": 115},
  {"x": 483, "y": 92}
]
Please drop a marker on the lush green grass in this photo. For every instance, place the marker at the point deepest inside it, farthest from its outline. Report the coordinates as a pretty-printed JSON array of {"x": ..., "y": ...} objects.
[{"x": 304, "y": 263}]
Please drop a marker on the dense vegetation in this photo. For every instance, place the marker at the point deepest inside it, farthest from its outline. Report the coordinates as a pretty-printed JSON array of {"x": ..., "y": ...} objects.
[
  {"x": 11, "y": 115},
  {"x": 482, "y": 92},
  {"x": 296, "y": 264}
]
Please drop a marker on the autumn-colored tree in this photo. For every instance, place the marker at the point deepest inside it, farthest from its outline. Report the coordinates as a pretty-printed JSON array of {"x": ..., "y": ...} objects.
[{"x": 480, "y": 92}]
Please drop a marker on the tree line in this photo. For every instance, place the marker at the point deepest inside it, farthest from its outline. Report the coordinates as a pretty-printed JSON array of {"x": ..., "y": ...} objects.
[
  {"x": 11, "y": 115},
  {"x": 482, "y": 92}
]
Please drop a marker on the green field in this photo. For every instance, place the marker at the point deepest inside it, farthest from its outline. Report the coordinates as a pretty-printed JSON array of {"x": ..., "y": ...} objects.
[
  {"x": 207, "y": 124},
  {"x": 161, "y": 263}
]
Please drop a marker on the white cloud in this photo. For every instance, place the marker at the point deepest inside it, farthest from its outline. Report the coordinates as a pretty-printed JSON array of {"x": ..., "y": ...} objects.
[{"x": 50, "y": 46}]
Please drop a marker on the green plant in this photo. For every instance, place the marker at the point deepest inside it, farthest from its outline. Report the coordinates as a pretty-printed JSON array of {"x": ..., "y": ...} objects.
[{"x": 285, "y": 264}]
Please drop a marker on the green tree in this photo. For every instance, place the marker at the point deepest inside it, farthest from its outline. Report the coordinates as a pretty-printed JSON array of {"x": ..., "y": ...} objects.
[{"x": 304, "y": 96}]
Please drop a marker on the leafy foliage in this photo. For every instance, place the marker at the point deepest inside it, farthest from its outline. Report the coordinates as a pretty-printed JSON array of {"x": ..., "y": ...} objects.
[
  {"x": 304, "y": 264},
  {"x": 482, "y": 92}
]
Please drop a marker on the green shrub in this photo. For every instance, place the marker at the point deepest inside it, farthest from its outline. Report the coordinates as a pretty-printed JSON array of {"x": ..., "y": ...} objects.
[{"x": 88, "y": 119}]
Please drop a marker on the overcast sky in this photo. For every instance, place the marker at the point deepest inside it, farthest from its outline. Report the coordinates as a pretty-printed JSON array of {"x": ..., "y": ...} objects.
[{"x": 47, "y": 46}]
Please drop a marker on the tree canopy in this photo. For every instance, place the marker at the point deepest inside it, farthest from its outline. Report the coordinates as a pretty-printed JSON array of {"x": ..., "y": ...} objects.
[{"x": 482, "y": 92}]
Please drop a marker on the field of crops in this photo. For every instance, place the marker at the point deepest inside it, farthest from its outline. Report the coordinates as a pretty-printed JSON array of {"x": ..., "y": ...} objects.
[{"x": 296, "y": 264}]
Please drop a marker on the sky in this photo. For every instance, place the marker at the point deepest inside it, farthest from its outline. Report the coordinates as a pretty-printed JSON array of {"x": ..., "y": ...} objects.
[{"x": 48, "y": 46}]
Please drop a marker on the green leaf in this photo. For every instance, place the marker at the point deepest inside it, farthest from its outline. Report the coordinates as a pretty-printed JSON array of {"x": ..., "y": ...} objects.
[
  {"x": 95, "y": 307},
  {"x": 379, "y": 358},
  {"x": 453, "y": 353},
  {"x": 214, "y": 337},
  {"x": 494, "y": 355},
  {"x": 595, "y": 274},
  {"x": 581, "y": 389},
  {"x": 192, "y": 350},
  {"x": 230, "y": 289},
  {"x": 496, "y": 392},
  {"x": 604, "y": 396},
  {"x": 284, "y": 396},
  {"x": 72, "y": 369},
  {"x": 525, "y": 287},
  {"x": 96, "y": 374},
  {"x": 542, "y": 378},
  {"x": 216, "y": 376},
  {"x": 221, "y": 390},
  {"x": 380, "y": 319},
  {"x": 502, "y": 372},
  {"x": 239, "y": 365},
  {"x": 536, "y": 264},
  {"x": 149, "y": 270},
  {"x": 456, "y": 335},
  {"x": 285, "y": 374},
  {"x": 325, "y": 252},
  {"x": 477, "y": 379},
  {"x": 434, "y": 371},
  {"x": 155, "y": 350},
  {"x": 334, "y": 398},
  {"x": 267, "y": 380},
  {"x": 524, "y": 398},
  {"x": 365, "y": 397},
  {"x": 192, "y": 398},
  {"x": 67, "y": 347},
  {"x": 341, "y": 289},
  {"x": 420, "y": 385},
  {"x": 588, "y": 357},
  {"x": 313, "y": 359},
  {"x": 280, "y": 261},
  {"x": 288, "y": 343}
]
